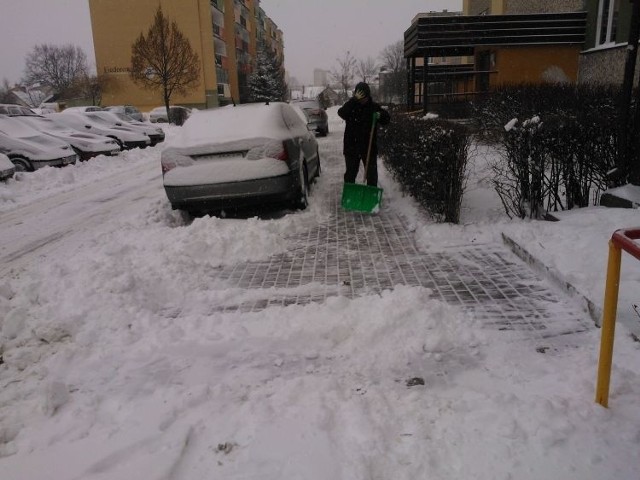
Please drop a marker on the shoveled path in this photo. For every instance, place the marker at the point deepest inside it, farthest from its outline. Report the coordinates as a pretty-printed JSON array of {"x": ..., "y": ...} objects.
[{"x": 354, "y": 254}]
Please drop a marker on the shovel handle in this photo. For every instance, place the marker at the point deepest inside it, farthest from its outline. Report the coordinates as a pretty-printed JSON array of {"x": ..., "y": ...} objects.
[{"x": 373, "y": 129}]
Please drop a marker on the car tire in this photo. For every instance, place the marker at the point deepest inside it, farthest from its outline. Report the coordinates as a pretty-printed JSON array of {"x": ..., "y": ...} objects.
[
  {"x": 118, "y": 141},
  {"x": 22, "y": 165},
  {"x": 319, "y": 171},
  {"x": 302, "y": 197}
]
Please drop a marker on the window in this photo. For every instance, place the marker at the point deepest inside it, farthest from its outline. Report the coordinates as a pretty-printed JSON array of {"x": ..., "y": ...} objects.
[{"x": 608, "y": 11}]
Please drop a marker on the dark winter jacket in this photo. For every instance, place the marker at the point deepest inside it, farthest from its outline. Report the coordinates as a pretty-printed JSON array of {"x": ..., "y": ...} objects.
[{"x": 359, "y": 119}]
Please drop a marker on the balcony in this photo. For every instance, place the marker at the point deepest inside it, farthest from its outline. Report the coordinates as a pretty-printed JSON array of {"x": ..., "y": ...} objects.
[{"x": 217, "y": 4}]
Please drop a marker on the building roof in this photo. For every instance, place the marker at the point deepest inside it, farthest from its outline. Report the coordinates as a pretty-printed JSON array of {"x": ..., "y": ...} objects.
[{"x": 441, "y": 36}]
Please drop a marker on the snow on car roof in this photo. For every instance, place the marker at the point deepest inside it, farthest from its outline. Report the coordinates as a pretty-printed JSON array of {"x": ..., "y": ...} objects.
[
  {"x": 16, "y": 128},
  {"x": 233, "y": 123}
]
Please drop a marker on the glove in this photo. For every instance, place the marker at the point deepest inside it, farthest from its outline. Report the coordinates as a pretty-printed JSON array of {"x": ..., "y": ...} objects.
[
  {"x": 358, "y": 95},
  {"x": 376, "y": 116}
]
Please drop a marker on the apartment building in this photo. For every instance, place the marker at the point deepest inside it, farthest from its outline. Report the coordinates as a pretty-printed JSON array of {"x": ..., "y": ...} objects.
[
  {"x": 508, "y": 42},
  {"x": 226, "y": 35},
  {"x": 604, "y": 53},
  {"x": 603, "y": 59}
]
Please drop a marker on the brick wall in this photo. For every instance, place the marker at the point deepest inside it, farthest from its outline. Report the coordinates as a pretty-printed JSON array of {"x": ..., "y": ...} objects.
[
  {"x": 543, "y": 6},
  {"x": 476, "y": 7},
  {"x": 604, "y": 66}
]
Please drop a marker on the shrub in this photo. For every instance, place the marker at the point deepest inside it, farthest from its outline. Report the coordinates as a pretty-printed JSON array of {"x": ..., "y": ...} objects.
[
  {"x": 557, "y": 147},
  {"x": 428, "y": 158}
]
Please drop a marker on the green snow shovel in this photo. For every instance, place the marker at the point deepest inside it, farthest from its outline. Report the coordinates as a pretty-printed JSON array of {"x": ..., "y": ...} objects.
[{"x": 363, "y": 198}]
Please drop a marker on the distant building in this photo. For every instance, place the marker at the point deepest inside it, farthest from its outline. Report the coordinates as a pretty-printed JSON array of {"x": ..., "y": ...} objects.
[
  {"x": 328, "y": 97},
  {"x": 320, "y": 77},
  {"x": 225, "y": 34},
  {"x": 32, "y": 96}
]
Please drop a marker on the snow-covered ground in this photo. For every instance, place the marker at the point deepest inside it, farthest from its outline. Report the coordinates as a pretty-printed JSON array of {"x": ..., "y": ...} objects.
[{"x": 117, "y": 365}]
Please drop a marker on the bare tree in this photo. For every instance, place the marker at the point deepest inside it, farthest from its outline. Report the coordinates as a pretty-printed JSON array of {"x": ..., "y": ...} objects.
[
  {"x": 164, "y": 60},
  {"x": 92, "y": 86},
  {"x": 393, "y": 79},
  {"x": 60, "y": 67},
  {"x": 5, "y": 91},
  {"x": 366, "y": 69},
  {"x": 344, "y": 73}
]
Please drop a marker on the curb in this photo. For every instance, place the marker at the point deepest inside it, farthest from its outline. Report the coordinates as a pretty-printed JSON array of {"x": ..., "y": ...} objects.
[{"x": 590, "y": 307}]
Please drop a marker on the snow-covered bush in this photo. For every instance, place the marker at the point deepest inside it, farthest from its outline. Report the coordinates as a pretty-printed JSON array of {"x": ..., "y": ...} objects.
[
  {"x": 557, "y": 141},
  {"x": 428, "y": 157}
]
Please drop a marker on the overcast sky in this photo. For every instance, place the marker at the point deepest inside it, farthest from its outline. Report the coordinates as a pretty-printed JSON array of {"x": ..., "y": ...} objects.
[{"x": 316, "y": 32}]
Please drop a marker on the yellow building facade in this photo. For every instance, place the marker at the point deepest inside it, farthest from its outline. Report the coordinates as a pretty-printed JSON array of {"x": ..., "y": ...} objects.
[{"x": 225, "y": 34}]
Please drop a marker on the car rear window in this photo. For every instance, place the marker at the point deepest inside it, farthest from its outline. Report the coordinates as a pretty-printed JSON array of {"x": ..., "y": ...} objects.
[
  {"x": 231, "y": 123},
  {"x": 308, "y": 104}
]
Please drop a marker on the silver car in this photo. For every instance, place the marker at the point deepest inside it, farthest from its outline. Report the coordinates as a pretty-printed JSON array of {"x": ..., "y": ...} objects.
[
  {"x": 127, "y": 138},
  {"x": 239, "y": 156},
  {"x": 29, "y": 149},
  {"x": 129, "y": 110},
  {"x": 178, "y": 115},
  {"x": 86, "y": 145},
  {"x": 155, "y": 134},
  {"x": 11, "y": 109},
  {"x": 316, "y": 115}
]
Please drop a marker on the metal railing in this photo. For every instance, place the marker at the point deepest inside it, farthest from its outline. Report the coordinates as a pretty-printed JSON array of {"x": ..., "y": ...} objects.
[{"x": 624, "y": 239}]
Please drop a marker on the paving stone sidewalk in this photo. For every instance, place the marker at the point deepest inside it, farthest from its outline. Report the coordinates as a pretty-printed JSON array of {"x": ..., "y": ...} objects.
[{"x": 354, "y": 254}]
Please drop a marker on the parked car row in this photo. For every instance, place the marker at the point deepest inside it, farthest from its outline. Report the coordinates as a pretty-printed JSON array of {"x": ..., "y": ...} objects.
[
  {"x": 158, "y": 115},
  {"x": 33, "y": 141}
]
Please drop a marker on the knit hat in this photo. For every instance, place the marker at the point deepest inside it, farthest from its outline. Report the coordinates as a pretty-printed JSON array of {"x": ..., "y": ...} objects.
[{"x": 363, "y": 87}]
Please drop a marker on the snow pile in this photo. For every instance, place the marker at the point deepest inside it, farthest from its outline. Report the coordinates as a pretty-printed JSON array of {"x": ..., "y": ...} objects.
[
  {"x": 118, "y": 361},
  {"x": 27, "y": 187}
]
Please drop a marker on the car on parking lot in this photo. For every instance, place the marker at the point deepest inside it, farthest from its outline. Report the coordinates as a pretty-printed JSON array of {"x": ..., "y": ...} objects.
[
  {"x": 85, "y": 144},
  {"x": 178, "y": 115},
  {"x": 11, "y": 109},
  {"x": 129, "y": 110},
  {"x": 29, "y": 149},
  {"x": 86, "y": 108},
  {"x": 127, "y": 138},
  {"x": 239, "y": 156},
  {"x": 155, "y": 134},
  {"x": 7, "y": 168},
  {"x": 316, "y": 115}
]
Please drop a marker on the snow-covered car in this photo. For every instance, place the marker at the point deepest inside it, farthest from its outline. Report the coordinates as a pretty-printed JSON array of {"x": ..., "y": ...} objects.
[
  {"x": 129, "y": 110},
  {"x": 316, "y": 115},
  {"x": 85, "y": 144},
  {"x": 178, "y": 115},
  {"x": 7, "y": 168},
  {"x": 155, "y": 134},
  {"x": 86, "y": 108},
  {"x": 239, "y": 156},
  {"x": 11, "y": 109},
  {"x": 127, "y": 138},
  {"x": 29, "y": 149}
]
